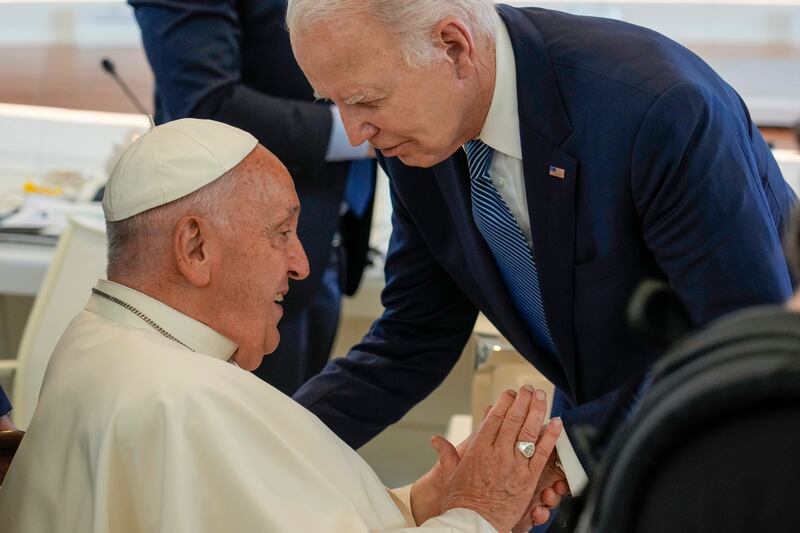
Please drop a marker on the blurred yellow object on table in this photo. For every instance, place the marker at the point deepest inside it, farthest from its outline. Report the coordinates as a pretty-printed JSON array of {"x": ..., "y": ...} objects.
[{"x": 31, "y": 187}]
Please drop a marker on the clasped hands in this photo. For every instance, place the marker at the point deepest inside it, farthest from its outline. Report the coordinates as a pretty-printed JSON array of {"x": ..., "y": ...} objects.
[{"x": 489, "y": 475}]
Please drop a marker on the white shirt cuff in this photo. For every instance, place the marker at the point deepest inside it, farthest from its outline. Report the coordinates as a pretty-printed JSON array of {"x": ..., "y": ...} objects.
[
  {"x": 339, "y": 148},
  {"x": 402, "y": 499},
  {"x": 456, "y": 520},
  {"x": 460, "y": 520},
  {"x": 576, "y": 475}
]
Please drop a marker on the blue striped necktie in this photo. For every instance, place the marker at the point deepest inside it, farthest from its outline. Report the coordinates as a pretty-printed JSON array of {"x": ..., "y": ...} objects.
[{"x": 512, "y": 254}]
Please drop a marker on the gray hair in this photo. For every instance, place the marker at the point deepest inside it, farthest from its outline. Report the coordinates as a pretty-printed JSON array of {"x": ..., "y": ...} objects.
[
  {"x": 130, "y": 238},
  {"x": 410, "y": 20}
]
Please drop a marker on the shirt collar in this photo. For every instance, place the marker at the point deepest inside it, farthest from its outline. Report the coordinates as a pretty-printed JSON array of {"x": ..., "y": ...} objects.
[
  {"x": 501, "y": 128},
  {"x": 196, "y": 335}
]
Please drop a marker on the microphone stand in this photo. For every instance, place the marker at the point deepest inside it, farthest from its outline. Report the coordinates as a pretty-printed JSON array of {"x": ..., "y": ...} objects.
[{"x": 107, "y": 65}]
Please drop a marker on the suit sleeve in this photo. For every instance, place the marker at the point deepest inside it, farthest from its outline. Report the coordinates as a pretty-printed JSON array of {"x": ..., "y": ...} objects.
[
  {"x": 712, "y": 211},
  {"x": 407, "y": 352},
  {"x": 713, "y": 208},
  {"x": 194, "y": 51}
]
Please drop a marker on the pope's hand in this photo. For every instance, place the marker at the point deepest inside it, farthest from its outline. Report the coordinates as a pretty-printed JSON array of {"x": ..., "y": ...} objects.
[
  {"x": 493, "y": 478},
  {"x": 427, "y": 493}
]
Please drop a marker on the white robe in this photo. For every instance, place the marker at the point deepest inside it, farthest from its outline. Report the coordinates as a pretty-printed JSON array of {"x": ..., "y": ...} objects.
[{"x": 135, "y": 433}]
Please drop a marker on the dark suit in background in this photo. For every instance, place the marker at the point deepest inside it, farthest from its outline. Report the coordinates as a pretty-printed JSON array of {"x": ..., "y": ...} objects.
[
  {"x": 231, "y": 61},
  {"x": 5, "y": 405},
  {"x": 665, "y": 176}
]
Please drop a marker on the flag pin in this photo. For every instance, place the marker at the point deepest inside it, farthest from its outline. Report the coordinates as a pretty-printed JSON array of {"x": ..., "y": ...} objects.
[{"x": 557, "y": 172}]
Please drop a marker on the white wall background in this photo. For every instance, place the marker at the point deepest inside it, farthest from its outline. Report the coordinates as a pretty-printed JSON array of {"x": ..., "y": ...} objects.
[{"x": 754, "y": 44}]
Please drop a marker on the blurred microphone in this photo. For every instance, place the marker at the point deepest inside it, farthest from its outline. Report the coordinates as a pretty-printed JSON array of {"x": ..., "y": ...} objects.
[{"x": 109, "y": 67}]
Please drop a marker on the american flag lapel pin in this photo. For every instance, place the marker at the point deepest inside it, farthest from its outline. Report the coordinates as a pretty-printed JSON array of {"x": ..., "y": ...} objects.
[{"x": 557, "y": 172}]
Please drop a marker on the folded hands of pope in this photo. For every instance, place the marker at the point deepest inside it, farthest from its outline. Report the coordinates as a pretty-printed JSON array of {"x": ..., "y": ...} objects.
[{"x": 488, "y": 473}]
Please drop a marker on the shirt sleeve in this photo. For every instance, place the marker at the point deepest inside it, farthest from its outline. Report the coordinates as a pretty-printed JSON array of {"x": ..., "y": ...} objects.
[
  {"x": 576, "y": 475},
  {"x": 402, "y": 499},
  {"x": 458, "y": 520}
]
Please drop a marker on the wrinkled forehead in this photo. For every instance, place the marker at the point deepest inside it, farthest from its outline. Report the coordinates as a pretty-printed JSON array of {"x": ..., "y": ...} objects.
[
  {"x": 342, "y": 60},
  {"x": 346, "y": 43},
  {"x": 262, "y": 181}
]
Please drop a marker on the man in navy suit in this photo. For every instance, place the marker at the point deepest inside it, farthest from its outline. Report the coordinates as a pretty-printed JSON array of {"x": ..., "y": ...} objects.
[
  {"x": 541, "y": 164},
  {"x": 231, "y": 61}
]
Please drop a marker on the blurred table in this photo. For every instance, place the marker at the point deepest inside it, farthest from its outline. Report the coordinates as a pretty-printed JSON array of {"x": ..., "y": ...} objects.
[
  {"x": 782, "y": 138},
  {"x": 70, "y": 77}
]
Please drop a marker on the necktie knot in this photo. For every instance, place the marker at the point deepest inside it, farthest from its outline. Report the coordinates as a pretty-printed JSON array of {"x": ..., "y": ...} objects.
[{"x": 479, "y": 158}]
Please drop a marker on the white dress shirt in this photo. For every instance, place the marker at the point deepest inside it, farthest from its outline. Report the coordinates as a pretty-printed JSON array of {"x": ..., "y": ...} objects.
[{"x": 501, "y": 132}]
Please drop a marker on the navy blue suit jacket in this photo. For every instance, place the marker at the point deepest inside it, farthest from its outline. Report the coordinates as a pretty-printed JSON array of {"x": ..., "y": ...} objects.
[
  {"x": 665, "y": 176},
  {"x": 231, "y": 61}
]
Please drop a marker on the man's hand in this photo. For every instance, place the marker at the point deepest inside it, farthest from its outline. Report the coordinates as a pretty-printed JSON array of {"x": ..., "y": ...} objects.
[
  {"x": 427, "y": 492},
  {"x": 550, "y": 490},
  {"x": 493, "y": 478}
]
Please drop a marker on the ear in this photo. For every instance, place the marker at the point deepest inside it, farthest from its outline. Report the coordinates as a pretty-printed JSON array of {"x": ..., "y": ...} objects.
[
  {"x": 194, "y": 245},
  {"x": 457, "y": 41}
]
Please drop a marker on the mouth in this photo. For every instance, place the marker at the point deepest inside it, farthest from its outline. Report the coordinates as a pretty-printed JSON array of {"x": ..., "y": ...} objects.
[
  {"x": 279, "y": 295},
  {"x": 392, "y": 150}
]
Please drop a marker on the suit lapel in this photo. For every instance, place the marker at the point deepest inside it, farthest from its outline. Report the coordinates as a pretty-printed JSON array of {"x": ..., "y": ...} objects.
[
  {"x": 453, "y": 178},
  {"x": 551, "y": 207},
  {"x": 550, "y": 177}
]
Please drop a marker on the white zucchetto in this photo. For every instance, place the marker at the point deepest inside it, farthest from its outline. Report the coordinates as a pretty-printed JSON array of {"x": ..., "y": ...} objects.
[{"x": 170, "y": 161}]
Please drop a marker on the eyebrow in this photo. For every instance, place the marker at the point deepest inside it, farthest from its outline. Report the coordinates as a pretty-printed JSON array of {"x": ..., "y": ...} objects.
[
  {"x": 358, "y": 97},
  {"x": 355, "y": 99},
  {"x": 366, "y": 95},
  {"x": 291, "y": 212}
]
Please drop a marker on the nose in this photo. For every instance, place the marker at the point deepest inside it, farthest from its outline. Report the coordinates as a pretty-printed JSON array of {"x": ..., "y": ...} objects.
[
  {"x": 358, "y": 130},
  {"x": 298, "y": 262}
]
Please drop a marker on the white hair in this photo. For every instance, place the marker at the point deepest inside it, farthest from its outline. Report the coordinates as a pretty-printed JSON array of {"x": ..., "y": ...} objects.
[
  {"x": 130, "y": 238},
  {"x": 410, "y": 20}
]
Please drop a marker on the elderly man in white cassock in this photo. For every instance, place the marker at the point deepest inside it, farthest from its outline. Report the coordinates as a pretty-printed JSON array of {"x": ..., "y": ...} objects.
[{"x": 148, "y": 419}]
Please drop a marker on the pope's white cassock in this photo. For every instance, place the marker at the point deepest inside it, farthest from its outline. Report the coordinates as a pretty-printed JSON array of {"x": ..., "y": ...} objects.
[{"x": 135, "y": 432}]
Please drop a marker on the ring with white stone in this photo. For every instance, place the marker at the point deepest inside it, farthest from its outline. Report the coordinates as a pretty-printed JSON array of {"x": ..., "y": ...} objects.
[{"x": 526, "y": 448}]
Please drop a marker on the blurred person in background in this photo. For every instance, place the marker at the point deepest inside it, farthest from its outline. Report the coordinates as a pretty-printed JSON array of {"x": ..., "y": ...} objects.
[{"x": 232, "y": 62}]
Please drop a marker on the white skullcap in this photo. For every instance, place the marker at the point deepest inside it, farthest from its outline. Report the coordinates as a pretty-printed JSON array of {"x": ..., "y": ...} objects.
[{"x": 170, "y": 161}]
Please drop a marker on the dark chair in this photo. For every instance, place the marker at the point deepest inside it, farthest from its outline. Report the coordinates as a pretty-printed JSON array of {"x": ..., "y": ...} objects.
[
  {"x": 714, "y": 444},
  {"x": 9, "y": 442}
]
